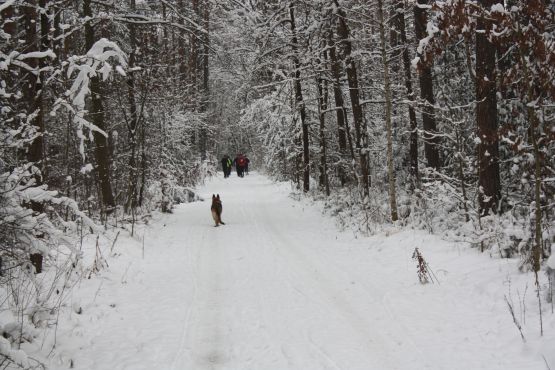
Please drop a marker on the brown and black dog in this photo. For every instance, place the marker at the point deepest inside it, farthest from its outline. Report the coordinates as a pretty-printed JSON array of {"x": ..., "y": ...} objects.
[{"x": 216, "y": 209}]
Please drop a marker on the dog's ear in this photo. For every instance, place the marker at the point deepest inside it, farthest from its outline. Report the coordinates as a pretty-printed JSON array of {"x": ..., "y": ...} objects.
[
  {"x": 213, "y": 196},
  {"x": 218, "y": 196}
]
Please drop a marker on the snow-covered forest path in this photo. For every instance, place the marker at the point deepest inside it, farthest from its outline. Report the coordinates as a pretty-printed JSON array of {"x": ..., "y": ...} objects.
[{"x": 279, "y": 287}]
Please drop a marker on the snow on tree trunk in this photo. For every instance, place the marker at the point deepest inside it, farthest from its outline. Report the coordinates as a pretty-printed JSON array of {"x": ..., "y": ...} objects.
[
  {"x": 387, "y": 88},
  {"x": 413, "y": 141},
  {"x": 340, "y": 111},
  {"x": 96, "y": 114},
  {"x": 361, "y": 134},
  {"x": 299, "y": 102},
  {"x": 431, "y": 140},
  {"x": 486, "y": 117}
]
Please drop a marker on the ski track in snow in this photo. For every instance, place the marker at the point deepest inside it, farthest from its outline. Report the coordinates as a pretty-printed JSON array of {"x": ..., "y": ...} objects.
[{"x": 278, "y": 287}]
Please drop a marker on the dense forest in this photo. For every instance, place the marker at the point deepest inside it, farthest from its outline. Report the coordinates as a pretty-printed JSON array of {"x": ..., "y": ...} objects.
[{"x": 427, "y": 114}]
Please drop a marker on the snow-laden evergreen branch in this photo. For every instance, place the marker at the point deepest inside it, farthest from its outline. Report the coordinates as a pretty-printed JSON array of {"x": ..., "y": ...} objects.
[{"x": 96, "y": 62}]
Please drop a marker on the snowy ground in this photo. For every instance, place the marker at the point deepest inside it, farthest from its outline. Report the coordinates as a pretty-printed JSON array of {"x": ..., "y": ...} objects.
[{"x": 279, "y": 287}]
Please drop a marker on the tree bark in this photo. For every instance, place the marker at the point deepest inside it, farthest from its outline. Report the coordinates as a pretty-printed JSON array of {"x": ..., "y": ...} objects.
[
  {"x": 32, "y": 97},
  {"x": 134, "y": 117},
  {"x": 340, "y": 111},
  {"x": 182, "y": 54},
  {"x": 361, "y": 135},
  {"x": 203, "y": 140},
  {"x": 431, "y": 140},
  {"x": 299, "y": 102},
  {"x": 413, "y": 140},
  {"x": 96, "y": 115},
  {"x": 535, "y": 135},
  {"x": 57, "y": 43},
  {"x": 193, "y": 60},
  {"x": 486, "y": 118},
  {"x": 388, "y": 124},
  {"x": 8, "y": 21},
  {"x": 322, "y": 85},
  {"x": 144, "y": 165},
  {"x": 32, "y": 87}
]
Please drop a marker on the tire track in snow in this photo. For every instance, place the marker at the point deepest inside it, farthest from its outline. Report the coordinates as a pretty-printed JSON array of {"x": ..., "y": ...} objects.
[
  {"x": 193, "y": 267},
  {"x": 396, "y": 332},
  {"x": 330, "y": 300},
  {"x": 308, "y": 270},
  {"x": 313, "y": 288},
  {"x": 204, "y": 336},
  {"x": 258, "y": 251},
  {"x": 273, "y": 290},
  {"x": 281, "y": 296}
]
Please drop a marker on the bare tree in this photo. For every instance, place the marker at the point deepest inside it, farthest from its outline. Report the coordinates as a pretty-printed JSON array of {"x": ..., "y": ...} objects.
[
  {"x": 486, "y": 117},
  {"x": 323, "y": 92},
  {"x": 133, "y": 120},
  {"x": 430, "y": 137},
  {"x": 33, "y": 98},
  {"x": 343, "y": 134},
  {"x": 361, "y": 134},
  {"x": 96, "y": 115},
  {"x": 387, "y": 88},
  {"x": 400, "y": 27},
  {"x": 299, "y": 102}
]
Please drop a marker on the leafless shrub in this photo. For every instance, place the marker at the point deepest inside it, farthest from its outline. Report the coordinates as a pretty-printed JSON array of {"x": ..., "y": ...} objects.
[
  {"x": 425, "y": 273},
  {"x": 515, "y": 320}
]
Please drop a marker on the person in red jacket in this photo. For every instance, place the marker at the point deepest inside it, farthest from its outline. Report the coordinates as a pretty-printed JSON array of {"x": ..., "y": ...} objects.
[{"x": 240, "y": 165}]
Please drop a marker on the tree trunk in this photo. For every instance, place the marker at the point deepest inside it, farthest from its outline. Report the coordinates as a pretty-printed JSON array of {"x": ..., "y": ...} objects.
[
  {"x": 299, "y": 102},
  {"x": 182, "y": 54},
  {"x": 144, "y": 163},
  {"x": 413, "y": 141},
  {"x": 299, "y": 154},
  {"x": 134, "y": 117},
  {"x": 32, "y": 94},
  {"x": 8, "y": 24},
  {"x": 534, "y": 132},
  {"x": 387, "y": 88},
  {"x": 205, "y": 79},
  {"x": 32, "y": 98},
  {"x": 57, "y": 43},
  {"x": 96, "y": 115},
  {"x": 340, "y": 111},
  {"x": 460, "y": 169},
  {"x": 194, "y": 47},
  {"x": 322, "y": 85},
  {"x": 486, "y": 118},
  {"x": 431, "y": 140},
  {"x": 41, "y": 88},
  {"x": 361, "y": 135}
]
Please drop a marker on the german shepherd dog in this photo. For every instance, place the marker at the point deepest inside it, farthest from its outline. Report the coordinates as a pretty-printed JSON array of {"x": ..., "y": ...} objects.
[{"x": 217, "y": 209}]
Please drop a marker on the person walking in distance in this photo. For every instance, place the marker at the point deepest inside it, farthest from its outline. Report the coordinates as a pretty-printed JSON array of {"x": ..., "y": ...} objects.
[
  {"x": 226, "y": 165},
  {"x": 247, "y": 161},
  {"x": 229, "y": 163},
  {"x": 240, "y": 164}
]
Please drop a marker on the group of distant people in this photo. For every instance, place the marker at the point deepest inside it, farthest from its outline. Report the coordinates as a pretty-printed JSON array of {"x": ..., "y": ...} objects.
[{"x": 241, "y": 163}]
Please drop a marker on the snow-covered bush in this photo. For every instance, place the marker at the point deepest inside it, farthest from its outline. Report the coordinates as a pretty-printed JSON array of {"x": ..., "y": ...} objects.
[
  {"x": 275, "y": 121},
  {"x": 38, "y": 227},
  {"x": 27, "y": 301},
  {"x": 173, "y": 184},
  {"x": 176, "y": 168},
  {"x": 82, "y": 68}
]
